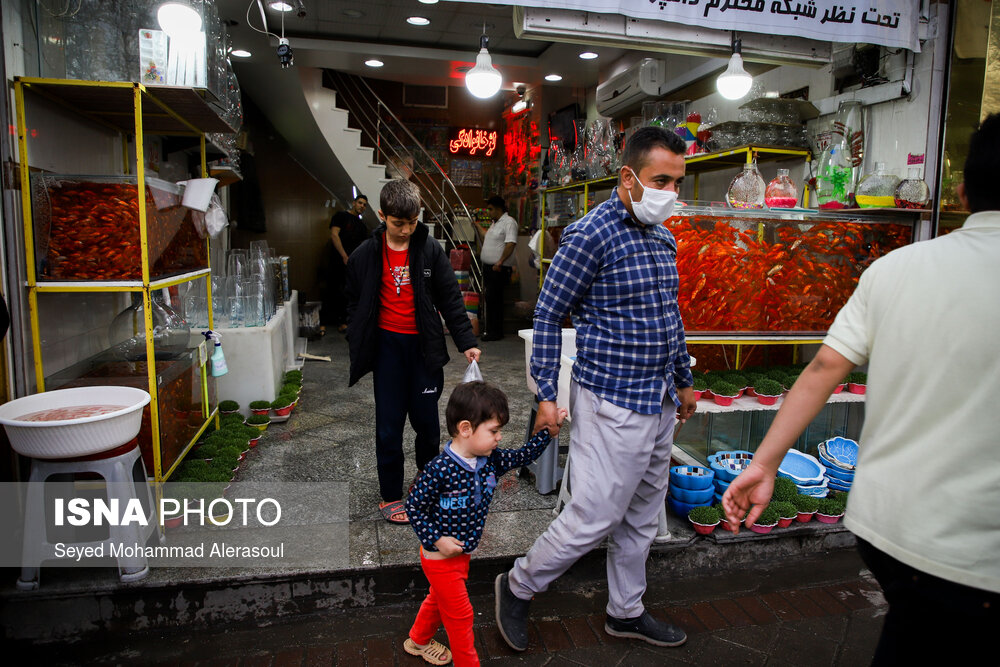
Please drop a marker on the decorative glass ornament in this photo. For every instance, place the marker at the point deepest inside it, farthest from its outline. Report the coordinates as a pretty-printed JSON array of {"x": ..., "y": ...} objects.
[
  {"x": 781, "y": 192},
  {"x": 747, "y": 189},
  {"x": 878, "y": 189},
  {"x": 841, "y": 159},
  {"x": 912, "y": 192}
]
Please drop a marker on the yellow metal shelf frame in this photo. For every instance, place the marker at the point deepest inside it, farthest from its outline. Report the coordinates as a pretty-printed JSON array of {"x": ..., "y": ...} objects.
[{"x": 131, "y": 109}]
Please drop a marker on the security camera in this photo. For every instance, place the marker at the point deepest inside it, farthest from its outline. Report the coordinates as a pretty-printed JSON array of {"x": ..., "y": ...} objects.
[
  {"x": 285, "y": 55},
  {"x": 301, "y": 9},
  {"x": 521, "y": 90}
]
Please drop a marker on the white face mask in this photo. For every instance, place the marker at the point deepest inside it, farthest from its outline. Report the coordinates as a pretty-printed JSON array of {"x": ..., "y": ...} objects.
[{"x": 655, "y": 206}]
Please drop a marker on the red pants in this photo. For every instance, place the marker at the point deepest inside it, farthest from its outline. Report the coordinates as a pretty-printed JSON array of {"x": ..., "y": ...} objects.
[{"x": 448, "y": 603}]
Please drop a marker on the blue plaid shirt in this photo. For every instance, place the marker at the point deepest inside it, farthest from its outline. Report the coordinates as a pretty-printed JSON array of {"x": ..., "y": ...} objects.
[{"x": 618, "y": 280}]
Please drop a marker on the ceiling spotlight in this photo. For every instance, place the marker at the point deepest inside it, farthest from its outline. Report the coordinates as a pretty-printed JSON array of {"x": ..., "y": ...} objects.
[
  {"x": 588, "y": 55},
  {"x": 735, "y": 82},
  {"x": 553, "y": 77},
  {"x": 240, "y": 53},
  {"x": 418, "y": 20},
  {"x": 353, "y": 13},
  {"x": 178, "y": 19},
  {"x": 374, "y": 62},
  {"x": 280, "y": 6},
  {"x": 428, "y": 2},
  {"x": 483, "y": 80}
]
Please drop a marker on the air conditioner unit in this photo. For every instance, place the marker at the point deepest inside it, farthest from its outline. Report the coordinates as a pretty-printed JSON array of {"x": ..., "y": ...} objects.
[{"x": 631, "y": 88}]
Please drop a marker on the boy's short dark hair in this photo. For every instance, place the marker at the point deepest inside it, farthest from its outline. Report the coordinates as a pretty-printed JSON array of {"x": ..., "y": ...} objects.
[
  {"x": 477, "y": 402},
  {"x": 400, "y": 199}
]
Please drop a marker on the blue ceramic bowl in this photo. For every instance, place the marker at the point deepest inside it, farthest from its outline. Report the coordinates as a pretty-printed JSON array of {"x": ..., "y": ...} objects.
[
  {"x": 717, "y": 498},
  {"x": 838, "y": 485},
  {"x": 839, "y": 474},
  {"x": 694, "y": 478},
  {"x": 681, "y": 509},
  {"x": 692, "y": 495},
  {"x": 841, "y": 452},
  {"x": 729, "y": 464},
  {"x": 802, "y": 469},
  {"x": 721, "y": 485}
]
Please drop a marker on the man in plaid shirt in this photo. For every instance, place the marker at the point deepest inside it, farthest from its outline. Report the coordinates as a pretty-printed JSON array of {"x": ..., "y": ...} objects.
[{"x": 615, "y": 274}]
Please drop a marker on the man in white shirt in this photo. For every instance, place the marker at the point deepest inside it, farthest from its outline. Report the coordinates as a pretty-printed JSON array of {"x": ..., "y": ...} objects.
[
  {"x": 498, "y": 258},
  {"x": 925, "y": 501}
]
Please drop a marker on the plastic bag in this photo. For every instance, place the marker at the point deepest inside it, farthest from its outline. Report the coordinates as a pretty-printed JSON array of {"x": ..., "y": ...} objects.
[
  {"x": 215, "y": 217},
  {"x": 472, "y": 373}
]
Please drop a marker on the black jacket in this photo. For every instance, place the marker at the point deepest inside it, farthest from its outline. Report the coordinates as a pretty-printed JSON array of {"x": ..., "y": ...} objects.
[{"x": 434, "y": 289}]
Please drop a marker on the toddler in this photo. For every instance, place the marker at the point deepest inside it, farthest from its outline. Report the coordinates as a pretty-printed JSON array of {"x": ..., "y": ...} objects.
[{"x": 447, "y": 509}]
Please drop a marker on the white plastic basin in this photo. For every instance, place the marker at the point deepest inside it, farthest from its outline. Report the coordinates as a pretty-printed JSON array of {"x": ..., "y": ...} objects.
[{"x": 69, "y": 438}]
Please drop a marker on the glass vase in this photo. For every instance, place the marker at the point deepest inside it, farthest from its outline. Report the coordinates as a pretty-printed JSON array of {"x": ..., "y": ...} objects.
[
  {"x": 781, "y": 192},
  {"x": 840, "y": 162},
  {"x": 877, "y": 189},
  {"x": 171, "y": 333},
  {"x": 747, "y": 189},
  {"x": 912, "y": 192}
]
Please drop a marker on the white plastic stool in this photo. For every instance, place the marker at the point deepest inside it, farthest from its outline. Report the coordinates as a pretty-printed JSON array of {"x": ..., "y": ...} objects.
[{"x": 125, "y": 479}]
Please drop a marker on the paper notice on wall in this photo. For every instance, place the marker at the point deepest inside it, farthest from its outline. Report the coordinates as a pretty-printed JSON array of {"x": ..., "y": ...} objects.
[{"x": 152, "y": 56}]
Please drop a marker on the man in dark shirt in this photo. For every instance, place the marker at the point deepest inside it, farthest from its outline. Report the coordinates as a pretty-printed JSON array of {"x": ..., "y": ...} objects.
[{"x": 347, "y": 232}]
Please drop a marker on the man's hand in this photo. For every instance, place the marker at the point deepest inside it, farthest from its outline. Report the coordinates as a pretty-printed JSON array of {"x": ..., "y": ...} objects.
[
  {"x": 549, "y": 417},
  {"x": 497, "y": 266},
  {"x": 472, "y": 354},
  {"x": 344, "y": 257},
  {"x": 449, "y": 547},
  {"x": 750, "y": 491},
  {"x": 688, "y": 404}
]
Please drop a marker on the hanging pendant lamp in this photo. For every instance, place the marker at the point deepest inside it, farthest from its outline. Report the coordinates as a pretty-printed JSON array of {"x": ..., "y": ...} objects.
[
  {"x": 735, "y": 82},
  {"x": 483, "y": 80}
]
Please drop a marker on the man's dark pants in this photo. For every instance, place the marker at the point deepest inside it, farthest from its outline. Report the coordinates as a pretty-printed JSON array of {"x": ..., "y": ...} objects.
[
  {"x": 929, "y": 617},
  {"x": 494, "y": 283}
]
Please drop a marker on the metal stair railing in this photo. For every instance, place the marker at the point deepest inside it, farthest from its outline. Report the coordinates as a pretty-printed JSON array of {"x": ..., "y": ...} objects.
[{"x": 397, "y": 149}]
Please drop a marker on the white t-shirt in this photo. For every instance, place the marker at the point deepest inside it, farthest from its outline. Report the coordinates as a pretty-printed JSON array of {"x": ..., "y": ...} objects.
[
  {"x": 500, "y": 233},
  {"x": 927, "y": 488}
]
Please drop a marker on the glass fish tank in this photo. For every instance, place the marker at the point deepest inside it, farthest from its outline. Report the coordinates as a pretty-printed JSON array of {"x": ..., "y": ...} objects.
[
  {"x": 87, "y": 228},
  {"x": 777, "y": 271}
]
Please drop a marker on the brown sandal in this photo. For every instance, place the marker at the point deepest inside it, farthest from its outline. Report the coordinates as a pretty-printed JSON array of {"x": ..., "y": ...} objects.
[{"x": 435, "y": 652}]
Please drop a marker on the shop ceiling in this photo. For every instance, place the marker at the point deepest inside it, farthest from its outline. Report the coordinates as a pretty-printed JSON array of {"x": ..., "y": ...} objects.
[{"x": 343, "y": 34}]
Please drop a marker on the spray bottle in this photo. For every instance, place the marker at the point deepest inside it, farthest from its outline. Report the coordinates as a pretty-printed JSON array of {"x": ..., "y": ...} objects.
[{"x": 218, "y": 359}]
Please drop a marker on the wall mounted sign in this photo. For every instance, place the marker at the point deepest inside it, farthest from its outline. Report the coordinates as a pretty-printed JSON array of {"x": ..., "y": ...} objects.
[
  {"x": 472, "y": 141},
  {"x": 892, "y": 23}
]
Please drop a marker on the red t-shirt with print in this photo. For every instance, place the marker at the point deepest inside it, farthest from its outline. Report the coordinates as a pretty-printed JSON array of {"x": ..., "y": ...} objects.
[{"x": 397, "y": 312}]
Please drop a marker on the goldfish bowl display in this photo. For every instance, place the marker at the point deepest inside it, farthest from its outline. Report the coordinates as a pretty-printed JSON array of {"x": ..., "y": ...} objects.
[{"x": 67, "y": 423}]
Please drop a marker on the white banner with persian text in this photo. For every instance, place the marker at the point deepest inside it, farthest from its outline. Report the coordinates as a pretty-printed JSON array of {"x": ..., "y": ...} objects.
[{"x": 891, "y": 23}]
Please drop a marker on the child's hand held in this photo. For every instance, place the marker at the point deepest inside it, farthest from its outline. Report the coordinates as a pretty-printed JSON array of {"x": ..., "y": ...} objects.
[{"x": 448, "y": 546}]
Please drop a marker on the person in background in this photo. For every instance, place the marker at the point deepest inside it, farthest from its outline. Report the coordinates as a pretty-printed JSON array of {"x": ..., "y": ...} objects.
[
  {"x": 925, "y": 500},
  {"x": 614, "y": 272},
  {"x": 448, "y": 508},
  {"x": 497, "y": 256},
  {"x": 347, "y": 232},
  {"x": 399, "y": 286}
]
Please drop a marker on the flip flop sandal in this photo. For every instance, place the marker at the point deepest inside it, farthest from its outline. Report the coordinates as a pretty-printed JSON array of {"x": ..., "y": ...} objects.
[
  {"x": 435, "y": 653},
  {"x": 393, "y": 511}
]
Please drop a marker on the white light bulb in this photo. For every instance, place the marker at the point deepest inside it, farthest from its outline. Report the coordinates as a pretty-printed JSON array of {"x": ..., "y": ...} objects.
[
  {"x": 553, "y": 77},
  {"x": 374, "y": 62},
  {"x": 178, "y": 20},
  {"x": 483, "y": 80},
  {"x": 588, "y": 55},
  {"x": 519, "y": 106},
  {"x": 280, "y": 6},
  {"x": 734, "y": 83}
]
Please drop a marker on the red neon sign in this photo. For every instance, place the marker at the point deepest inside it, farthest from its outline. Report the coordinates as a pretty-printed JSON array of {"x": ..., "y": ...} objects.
[{"x": 471, "y": 140}]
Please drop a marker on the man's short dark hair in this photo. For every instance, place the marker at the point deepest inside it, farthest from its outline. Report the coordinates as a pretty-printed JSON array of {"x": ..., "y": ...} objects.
[
  {"x": 498, "y": 201},
  {"x": 982, "y": 166},
  {"x": 400, "y": 199},
  {"x": 646, "y": 139},
  {"x": 361, "y": 196},
  {"x": 477, "y": 402}
]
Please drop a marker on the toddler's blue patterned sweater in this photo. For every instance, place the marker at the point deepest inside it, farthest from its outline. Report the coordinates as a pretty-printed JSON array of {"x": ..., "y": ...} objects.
[{"x": 450, "y": 498}]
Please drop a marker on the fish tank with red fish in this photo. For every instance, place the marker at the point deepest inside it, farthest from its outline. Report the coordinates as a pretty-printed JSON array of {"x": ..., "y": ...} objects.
[
  {"x": 179, "y": 396},
  {"x": 86, "y": 228},
  {"x": 775, "y": 272}
]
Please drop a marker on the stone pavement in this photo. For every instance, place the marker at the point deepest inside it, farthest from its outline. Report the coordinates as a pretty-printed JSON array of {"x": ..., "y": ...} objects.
[{"x": 822, "y": 610}]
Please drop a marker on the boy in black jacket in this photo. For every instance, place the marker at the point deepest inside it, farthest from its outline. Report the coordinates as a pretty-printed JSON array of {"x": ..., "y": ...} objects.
[
  {"x": 397, "y": 283},
  {"x": 447, "y": 510}
]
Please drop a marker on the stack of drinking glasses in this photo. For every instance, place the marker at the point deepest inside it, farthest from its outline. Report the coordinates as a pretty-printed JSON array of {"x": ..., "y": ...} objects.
[{"x": 249, "y": 292}]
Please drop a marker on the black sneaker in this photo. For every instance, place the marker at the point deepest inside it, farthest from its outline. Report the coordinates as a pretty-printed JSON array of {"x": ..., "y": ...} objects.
[
  {"x": 512, "y": 614},
  {"x": 646, "y": 628}
]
